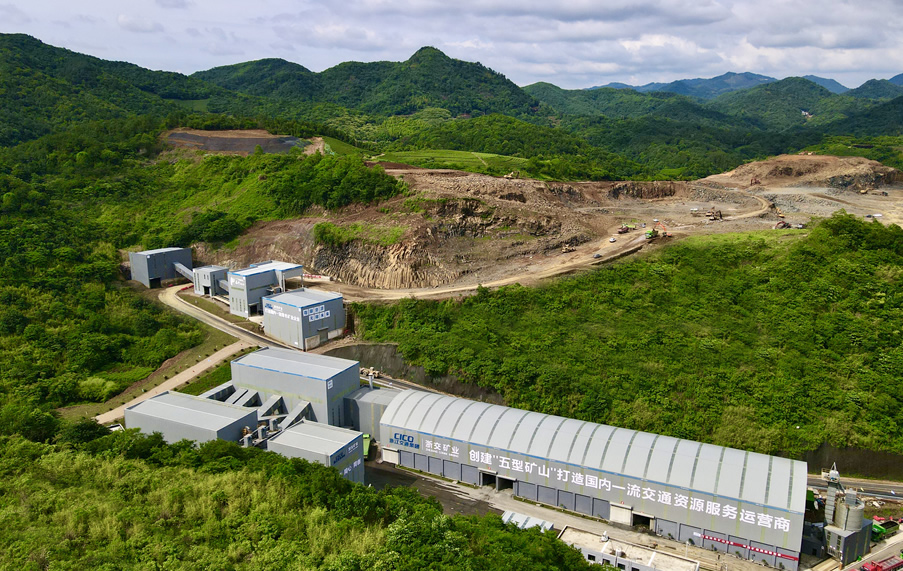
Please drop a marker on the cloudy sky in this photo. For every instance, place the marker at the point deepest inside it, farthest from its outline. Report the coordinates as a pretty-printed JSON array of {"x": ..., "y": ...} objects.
[{"x": 573, "y": 44}]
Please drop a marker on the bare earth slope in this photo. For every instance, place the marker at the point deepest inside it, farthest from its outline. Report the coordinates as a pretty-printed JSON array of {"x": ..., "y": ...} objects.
[{"x": 457, "y": 230}]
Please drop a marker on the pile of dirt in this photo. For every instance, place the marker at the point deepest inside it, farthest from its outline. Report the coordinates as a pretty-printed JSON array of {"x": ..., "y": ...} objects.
[{"x": 853, "y": 173}]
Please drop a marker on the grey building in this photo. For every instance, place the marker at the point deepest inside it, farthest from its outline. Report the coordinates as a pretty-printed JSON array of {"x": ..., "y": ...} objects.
[
  {"x": 329, "y": 445},
  {"x": 750, "y": 505},
  {"x": 304, "y": 318},
  {"x": 179, "y": 416},
  {"x": 207, "y": 280},
  {"x": 248, "y": 287},
  {"x": 301, "y": 379},
  {"x": 365, "y": 407},
  {"x": 623, "y": 554},
  {"x": 151, "y": 267}
]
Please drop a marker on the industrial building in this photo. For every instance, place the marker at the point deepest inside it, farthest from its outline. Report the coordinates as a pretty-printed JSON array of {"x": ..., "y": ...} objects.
[
  {"x": 210, "y": 281},
  {"x": 365, "y": 407},
  {"x": 300, "y": 379},
  {"x": 247, "y": 287},
  {"x": 179, "y": 416},
  {"x": 311, "y": 406},
  {"x": 329, "y": 445},
  {"x": 747, "y": 504},
  {"x": 304, "y": 318},
  {"x": 151, "y": 267},
  {"x": 847, "y": 532},
  {"x": 286, "y": 401}
]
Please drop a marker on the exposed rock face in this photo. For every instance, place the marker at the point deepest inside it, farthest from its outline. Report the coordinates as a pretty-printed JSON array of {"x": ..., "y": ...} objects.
[
  {"x": 646, "y": 190},
  {"x": 866, "y": 180},
  {"x": 402, "y": 265}
]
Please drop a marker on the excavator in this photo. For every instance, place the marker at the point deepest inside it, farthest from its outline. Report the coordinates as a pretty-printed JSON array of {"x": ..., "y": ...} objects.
[
  {"x": 713, "y": 214},
  {"x": 653, "y": 233}
]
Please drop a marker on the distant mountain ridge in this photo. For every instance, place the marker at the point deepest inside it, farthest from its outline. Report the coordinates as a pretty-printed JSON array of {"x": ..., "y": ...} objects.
[
  {"x": 429, "y": 78},
  {"x": 831, "y": 85},
  {"x": 702, "y": 88}
]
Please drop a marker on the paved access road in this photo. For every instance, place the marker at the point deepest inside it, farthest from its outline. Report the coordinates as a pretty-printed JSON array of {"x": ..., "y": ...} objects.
[
  {"x": 177, "y": 381},
  {"x": 863, "y": 486}
]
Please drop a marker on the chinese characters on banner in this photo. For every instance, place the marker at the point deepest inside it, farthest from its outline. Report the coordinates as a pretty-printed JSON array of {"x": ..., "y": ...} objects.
[
  {"x": 450, "y": 450},
  {"x": 637, "y": 491}
]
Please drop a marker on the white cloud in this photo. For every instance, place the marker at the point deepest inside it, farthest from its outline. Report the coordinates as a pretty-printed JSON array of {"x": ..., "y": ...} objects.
[
  {"x": 174, "y": 4},
  {"x": 138, "y": 25},
  {"x": 10, "y": 14}
]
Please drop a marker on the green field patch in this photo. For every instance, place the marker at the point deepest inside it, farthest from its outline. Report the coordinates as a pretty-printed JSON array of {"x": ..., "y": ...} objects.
[
  {"x": 462, "y": 160},
  {"x": 338, "y": 235},
  {"x": 199, "y": 105},
  {"x": 342, "y": 148}
]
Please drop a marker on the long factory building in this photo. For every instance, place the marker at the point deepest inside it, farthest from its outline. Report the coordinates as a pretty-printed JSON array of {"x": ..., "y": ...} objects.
[{"x": 747, "y": 504}]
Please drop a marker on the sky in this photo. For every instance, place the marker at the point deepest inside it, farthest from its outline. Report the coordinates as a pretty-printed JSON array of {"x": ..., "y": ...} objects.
[{"x": 574, "y": 44}]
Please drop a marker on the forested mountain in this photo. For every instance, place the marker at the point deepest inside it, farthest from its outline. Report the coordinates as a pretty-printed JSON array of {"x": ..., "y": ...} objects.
[
  {"x": 428, "y": 79},
  {"x": 47, "y": 88},
  {"x": 831, "y": 85},
  {"x": 625, "y": 103},
  {"x": 876, "y": 89},
  {"x": 781, "y": 105},
  {"x": 701, "y": 88}
]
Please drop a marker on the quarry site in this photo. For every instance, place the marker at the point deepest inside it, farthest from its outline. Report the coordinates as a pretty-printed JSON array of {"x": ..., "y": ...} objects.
[{"x": 456, "y": 230}]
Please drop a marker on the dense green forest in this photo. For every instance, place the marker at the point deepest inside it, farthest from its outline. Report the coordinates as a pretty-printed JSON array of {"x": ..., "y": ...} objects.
[
  {"x": 735, "y": 340},
  {"x": 96, "y": 500}
]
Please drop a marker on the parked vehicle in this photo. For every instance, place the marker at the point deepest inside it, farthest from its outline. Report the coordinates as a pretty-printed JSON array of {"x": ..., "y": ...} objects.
[{"x": 889, "y": 564}]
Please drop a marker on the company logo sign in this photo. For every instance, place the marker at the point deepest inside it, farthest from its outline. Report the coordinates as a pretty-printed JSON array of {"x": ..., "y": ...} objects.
[{"x": 402, "y": 439}]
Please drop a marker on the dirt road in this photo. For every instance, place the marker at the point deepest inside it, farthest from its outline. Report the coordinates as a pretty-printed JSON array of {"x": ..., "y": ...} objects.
[{"x": 530, "y": 274}]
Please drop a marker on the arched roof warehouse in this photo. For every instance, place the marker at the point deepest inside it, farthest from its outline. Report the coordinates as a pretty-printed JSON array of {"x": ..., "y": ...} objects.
[{"x": 746, "y": 476}]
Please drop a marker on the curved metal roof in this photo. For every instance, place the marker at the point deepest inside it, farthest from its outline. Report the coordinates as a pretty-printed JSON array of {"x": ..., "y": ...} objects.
[{"x": 748, "y": 476}]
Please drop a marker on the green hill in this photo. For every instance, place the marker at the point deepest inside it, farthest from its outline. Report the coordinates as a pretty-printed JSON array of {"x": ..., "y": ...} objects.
[
  {"x": 265, "y": 77},
  {"x": 881, "y": 119},
  {"x": 781, "y": 105},
  {"x": 876, "y": 89},
  {"x": 624, "y": 103},
  {"x": 49, "y": 88},
  {"x": 428, "y": 79},
  {"x": 830, "y": 84}
]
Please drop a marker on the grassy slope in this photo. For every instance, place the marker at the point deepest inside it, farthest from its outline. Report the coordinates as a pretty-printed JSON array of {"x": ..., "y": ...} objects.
[{"x": 455, "y": 159}]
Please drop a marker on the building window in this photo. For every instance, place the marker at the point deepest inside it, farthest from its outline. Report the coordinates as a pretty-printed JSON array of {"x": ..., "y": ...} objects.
[{"x": 590, "y": 557}]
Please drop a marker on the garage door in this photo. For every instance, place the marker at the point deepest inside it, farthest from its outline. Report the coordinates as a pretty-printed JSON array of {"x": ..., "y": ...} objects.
[
  {"x": 407, "y": 459},
  {"x": 566, "y": 500},
  {"x": 525, "y": 490},
  {"x": 435, "y": 466},
  {"x": 583, "y": 504},
  {"x": 601, "y": 508},
  {"x": 451, "y": 470},
  {"x": 547, "y": 495},
  {"x": 421, "y": 462},
  {"x": 470, "y": 475}
]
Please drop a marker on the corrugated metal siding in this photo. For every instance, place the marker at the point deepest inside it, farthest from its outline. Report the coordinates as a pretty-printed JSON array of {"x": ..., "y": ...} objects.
[{"x": 685, "y": 464}]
